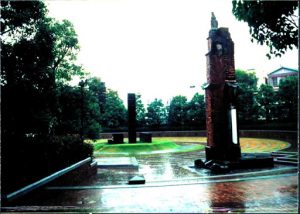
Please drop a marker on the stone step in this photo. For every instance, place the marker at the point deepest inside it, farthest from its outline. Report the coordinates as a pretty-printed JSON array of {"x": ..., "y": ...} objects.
[{"x": 117, "y": 162}]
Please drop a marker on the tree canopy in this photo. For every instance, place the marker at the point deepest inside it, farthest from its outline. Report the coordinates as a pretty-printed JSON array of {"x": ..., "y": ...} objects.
[
  {"x": 270, "y": 22},
  {"x": 115, "y": 114},
  {"x": 19, "y": 18},
  {"x": 178, "y": 111},
  {"x": 32, "y": 105},
  {"x": 196, "y": 110},
  {"x": 287, "y": 95},
  {"x": 247, "y": 106},
  {"x": 140, "y": 111},
  {"x": 267, "y": 102},
  {"x": 156, "y": 114}
]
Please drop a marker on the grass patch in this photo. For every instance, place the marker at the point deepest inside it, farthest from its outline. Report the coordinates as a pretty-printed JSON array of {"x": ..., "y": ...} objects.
[
  {"x": 182, "y": 144},
  {"x": 252, "y": 145},
  {"x": 158, "y": 145},
  {"x": 137, "y": 147}
]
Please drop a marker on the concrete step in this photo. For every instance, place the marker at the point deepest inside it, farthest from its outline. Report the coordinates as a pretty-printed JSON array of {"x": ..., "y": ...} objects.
[{"x": 117, "y": 162}]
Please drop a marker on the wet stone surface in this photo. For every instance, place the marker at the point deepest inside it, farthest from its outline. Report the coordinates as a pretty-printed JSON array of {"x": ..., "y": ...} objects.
[
  {"x": 171, "y": 185},
  {"x": 273, "y": 195}
]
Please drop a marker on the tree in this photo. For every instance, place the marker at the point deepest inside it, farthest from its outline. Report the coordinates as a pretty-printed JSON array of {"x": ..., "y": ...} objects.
[
  {"x": 29, "y": 98},
  {"x": 17, "y": 20},
  {"x": 266, "y": 99},
  {"x": 70, "y": 110},
  {"x": 66, "y": 48},
  {"x": 26, "y": 88},
  {"x": 28, "y": 92},
  {"x": 98, "y": 89},
  {"x": 287, "y": 95},
  {"x": 140, "y": 112},
  {"x": 271, "y": 22},
  {"x": 178, "y": 111},
  {"x": 91, "y": 111},
  {"x": 79, "y": 110},
  {"x": 247, "y": 106},
  {"x": 115, "y": 114},
  {"x": 156, "y": 114},
  {"x": 196, "y": 110}
]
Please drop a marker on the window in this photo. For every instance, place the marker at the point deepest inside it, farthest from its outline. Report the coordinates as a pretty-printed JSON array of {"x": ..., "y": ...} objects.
[{"x": 274, "y": 81}]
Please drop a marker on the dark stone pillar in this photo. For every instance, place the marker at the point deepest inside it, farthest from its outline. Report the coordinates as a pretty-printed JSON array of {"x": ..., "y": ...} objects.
[
  {"x": 131, "y": 118},
  {"x": 221, "y": 114}
]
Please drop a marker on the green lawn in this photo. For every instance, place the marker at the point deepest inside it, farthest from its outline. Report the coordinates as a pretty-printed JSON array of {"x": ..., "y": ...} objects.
[
  {"x": 180, "y": 144},
  {"x": 158, "y": 145}
]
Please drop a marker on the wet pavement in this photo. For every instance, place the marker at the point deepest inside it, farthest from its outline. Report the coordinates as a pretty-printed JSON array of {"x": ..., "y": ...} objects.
[{"x": 172, "y": 185}]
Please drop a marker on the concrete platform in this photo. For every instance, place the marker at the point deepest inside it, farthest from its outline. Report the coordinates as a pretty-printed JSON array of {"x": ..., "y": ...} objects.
[{"x": 117, "y": 162}]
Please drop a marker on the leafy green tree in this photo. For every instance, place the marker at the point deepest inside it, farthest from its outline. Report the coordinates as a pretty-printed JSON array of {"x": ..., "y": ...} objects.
[
  {"x": 115, "y": 114},
  {"x": 178, "y": 111},
  {"x": 156, "y": 114},
  {"x": 287, "y": 95},
  {"x": 29, "y": 98},
  {"x": 17, "y": 20},
  {"x": 271, "y": 22},
  {"x": 79, "y": 111},
  {"x": 247, "y": 105},
  {"x": 266, "y": 99},
  {"x": 98, "y": 89},
  {"x": 66, "y": 48},
  {"x": 196, "y": 110},
  {"x": 140, "y": 112},
  {"x": 91, "y": 107},
  {"x": 70, "y": 110},
  {"x": 28, "y": 92}
]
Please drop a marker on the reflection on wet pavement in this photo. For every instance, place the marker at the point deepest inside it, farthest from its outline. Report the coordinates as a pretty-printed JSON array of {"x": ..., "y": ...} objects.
[
  {"x": 172, "y": 185},
  {"x": 272, "y": 195}
]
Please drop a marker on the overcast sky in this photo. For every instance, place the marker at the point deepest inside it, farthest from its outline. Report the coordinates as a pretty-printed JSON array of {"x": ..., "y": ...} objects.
[{"x": 157, "y": 48}]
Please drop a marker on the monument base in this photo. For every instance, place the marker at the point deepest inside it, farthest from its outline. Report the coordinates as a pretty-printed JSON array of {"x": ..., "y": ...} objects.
[
  {"x": 231, "y": 153},
  {"x": 246, "y": 161}
]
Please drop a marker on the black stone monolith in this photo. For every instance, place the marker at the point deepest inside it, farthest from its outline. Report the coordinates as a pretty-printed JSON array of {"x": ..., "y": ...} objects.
[{"x": 131, "y": 118}]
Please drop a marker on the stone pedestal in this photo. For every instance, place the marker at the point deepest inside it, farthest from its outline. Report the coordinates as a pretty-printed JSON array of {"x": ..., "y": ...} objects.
[
  {"x": 116, "y": 139},
  {"x": 145, "y": 137}
]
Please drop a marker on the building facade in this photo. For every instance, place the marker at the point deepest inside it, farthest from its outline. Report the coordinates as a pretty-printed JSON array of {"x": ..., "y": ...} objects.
[{"x": 274, "y": 77}]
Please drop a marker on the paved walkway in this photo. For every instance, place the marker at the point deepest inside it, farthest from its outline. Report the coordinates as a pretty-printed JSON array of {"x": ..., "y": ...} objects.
[{"x": 172, "y": 185}]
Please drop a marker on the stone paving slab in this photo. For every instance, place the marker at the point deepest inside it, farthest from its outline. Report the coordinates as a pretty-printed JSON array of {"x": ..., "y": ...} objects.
[{"x": 117, "y": 162}]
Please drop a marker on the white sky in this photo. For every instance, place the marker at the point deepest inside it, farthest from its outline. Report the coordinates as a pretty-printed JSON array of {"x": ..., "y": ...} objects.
[{"x": 157, "y": 48}]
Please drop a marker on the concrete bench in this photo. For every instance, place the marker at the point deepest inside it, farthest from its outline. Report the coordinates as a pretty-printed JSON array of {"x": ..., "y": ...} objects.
[
  {"x": 116, "y": 139},
  {"x": 146, "y": 137}
]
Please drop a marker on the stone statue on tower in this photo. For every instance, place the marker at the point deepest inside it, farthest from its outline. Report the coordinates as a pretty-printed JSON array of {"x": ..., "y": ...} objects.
[{"x": 213, "y": 21}]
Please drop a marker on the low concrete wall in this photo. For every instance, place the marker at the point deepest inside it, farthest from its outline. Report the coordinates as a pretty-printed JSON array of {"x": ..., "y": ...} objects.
[
  {"x": 273, "y": 134},
  {"x": 76, "y": 176},
  {"x": 71, "y": 173},
  {"x": 200, "y": 133}
]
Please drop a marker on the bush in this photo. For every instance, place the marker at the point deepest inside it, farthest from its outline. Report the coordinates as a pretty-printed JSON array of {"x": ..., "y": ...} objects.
[{"x": 30, "y": 159}]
